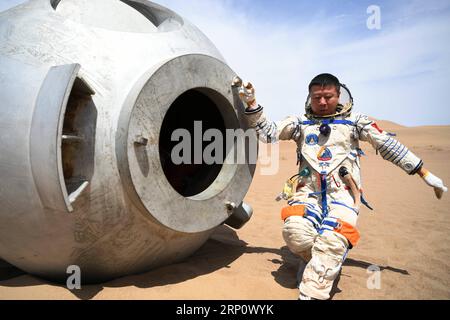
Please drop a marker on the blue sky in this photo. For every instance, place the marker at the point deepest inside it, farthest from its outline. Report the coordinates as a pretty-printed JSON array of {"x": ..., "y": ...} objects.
[{"x": 399, "y": 73}]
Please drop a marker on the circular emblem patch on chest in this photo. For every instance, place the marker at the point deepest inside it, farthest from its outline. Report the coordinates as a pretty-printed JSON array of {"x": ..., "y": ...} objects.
[
  {"x": 312, "y": 139},
  {"x": 324, "y": 154}
]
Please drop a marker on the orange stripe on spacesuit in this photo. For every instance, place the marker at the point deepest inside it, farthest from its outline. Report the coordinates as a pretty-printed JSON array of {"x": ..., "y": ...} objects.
[
  {"x": 289, "y": 211},
  {"x": 348, "y": 231},
  {"x": 343, "y": 228}
]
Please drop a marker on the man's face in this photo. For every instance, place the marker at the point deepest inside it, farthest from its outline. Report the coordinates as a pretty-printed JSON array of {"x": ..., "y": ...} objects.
[{"x": 324, "y": 100}]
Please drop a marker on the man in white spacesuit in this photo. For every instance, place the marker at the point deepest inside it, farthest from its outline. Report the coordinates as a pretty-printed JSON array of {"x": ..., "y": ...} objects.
[{"x": 322, "y": 212}]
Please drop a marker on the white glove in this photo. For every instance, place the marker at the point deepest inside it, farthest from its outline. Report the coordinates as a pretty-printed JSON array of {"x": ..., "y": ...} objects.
[
  {"x": 246, "y": 91},
  {"x": 434, "y": 182}
]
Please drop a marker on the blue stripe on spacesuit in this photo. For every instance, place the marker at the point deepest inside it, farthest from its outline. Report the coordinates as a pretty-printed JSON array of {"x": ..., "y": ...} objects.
[
  {"x": 393, "y": 152},
  {"x": 339, "y": 122},
  {"x": 314, "y": 218},
  {"x": 328, "y": 224},
  {"x": 399, "y": 153},
  {"x": 311, "y": 122},
  {"x": 292, "y": 202},
  {"x": 407, "y": 151},
  {"x": 389, "y": 153},
  {"x": 387, "y": 140},
  {"x": 311, "y": 213},
  {"x": 344, "y": 205},
  {"x": 323, "y": 228},
  {"x": 392, "y": 140},
  {"x": 316, "y": 214},
  {"x": 309, "y": 205},
  {"x": 323, "y": 186},
  {"x": 389, "y": 148}
]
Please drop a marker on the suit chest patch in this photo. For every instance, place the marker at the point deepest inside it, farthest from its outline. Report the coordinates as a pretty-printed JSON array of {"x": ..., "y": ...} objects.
[{"x": 326, "y": 153}]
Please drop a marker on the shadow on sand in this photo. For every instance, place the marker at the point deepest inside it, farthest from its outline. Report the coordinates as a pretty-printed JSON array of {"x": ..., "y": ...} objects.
[
  {"x": 364, "y": 265},
  {"x": 289, "y": 276},
  {"x": 218, "y": 252}
]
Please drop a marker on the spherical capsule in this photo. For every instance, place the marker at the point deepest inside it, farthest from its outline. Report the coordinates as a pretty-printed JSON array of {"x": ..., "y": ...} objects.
[{"x": 92, "y": 91}]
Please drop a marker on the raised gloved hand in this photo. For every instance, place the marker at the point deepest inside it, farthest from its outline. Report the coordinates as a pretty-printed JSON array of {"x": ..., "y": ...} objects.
[
  {"x": 433, "y": 181},
  {"x": 246, "y": 91}
]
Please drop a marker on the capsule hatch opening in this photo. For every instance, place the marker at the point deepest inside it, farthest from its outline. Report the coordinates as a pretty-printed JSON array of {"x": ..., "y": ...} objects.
[{"x": 193, "y": 113}]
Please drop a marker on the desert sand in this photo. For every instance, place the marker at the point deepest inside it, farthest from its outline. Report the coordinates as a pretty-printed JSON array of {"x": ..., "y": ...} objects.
[{"x": 407, "y": 236}]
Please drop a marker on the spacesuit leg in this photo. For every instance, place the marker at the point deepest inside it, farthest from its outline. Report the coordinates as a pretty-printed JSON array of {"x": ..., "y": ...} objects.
[
  {"x": 299, "y": 235},
  {"x": 327, "y": 257},
  {"x": 328, "y": 254},
  {"x": 300, "y": 232}
]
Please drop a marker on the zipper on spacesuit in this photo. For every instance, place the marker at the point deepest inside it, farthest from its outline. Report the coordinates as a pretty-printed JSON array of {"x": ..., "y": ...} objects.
[{"x": 323, "y": 189}]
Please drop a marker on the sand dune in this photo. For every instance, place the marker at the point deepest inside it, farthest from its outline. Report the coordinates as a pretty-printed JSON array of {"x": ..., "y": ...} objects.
[{"x": 407, "y": 236}]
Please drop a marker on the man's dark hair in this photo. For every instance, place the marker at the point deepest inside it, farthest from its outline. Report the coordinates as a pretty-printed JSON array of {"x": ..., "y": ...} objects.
[{"x": 325, "y": 79}]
